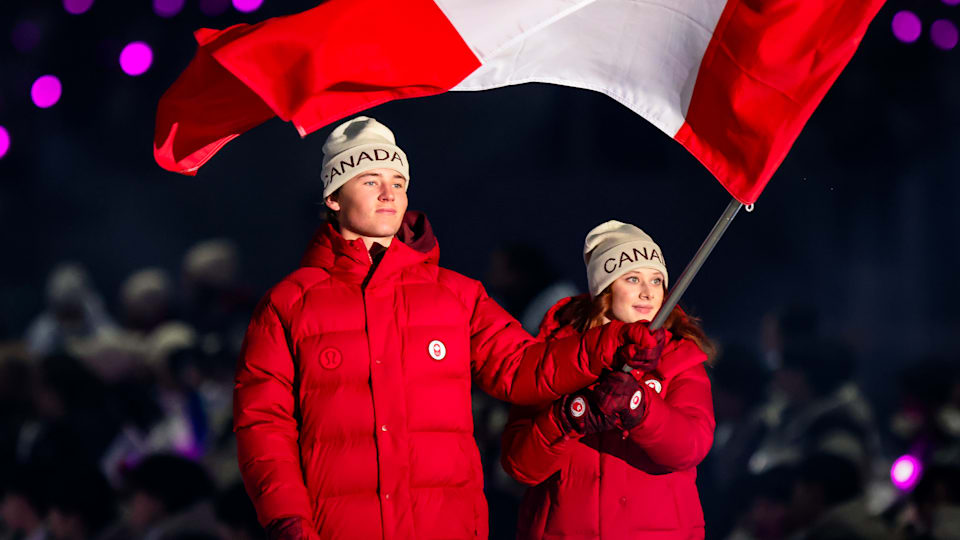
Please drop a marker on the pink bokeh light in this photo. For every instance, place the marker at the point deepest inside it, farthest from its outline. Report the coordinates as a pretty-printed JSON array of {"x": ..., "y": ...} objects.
[
  {"x": 46, "y": 91},
  {"x": 76, "y": 7},
  {"x": 136, "y": 58},
  {"x": 907, "y": 26},
  {"x": 167, "y": 8},
  {"x": 905, "y": 472},
  {"x": 4, "y": 141},
  {"x": 944, "y": 34},
  {"x": 247, "y": 6}
]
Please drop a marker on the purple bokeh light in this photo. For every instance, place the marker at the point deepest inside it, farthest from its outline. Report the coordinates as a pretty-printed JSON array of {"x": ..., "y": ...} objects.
[
  {"x": 167, "y": 8},
  {"x": 214, "y": 7},
  {"x": 944, "y": 34},
  {"x": 46, "y": 91},
  {"x": 26, "y": 36},
  {"x": 136, "y": 58},
  {"x": 907, "y": 26},
  {"x": 4, "y": 141},
  {"x": 76, "y": 7},
  {"x": 905, "y": 472},
  {"x": 247, "y": 6},
  {"x": 951, "y": 2}
]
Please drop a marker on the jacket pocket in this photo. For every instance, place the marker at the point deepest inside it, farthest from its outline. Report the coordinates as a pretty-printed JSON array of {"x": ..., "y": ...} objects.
[
  {"x": 574, "y": 495},
  {"x": 652, "y": 501},
  {"x": 535, "y": 508}
]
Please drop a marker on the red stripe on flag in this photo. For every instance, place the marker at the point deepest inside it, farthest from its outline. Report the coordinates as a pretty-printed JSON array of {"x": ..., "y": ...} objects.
[
  {"x": 204, "y": 109},
  {"x": 767, "y": 67},
  {"x": 311, "y": 68}
]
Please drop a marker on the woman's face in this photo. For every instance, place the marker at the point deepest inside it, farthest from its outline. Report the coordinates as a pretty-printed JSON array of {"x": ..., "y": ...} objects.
[{"x": 636, "y": 295}]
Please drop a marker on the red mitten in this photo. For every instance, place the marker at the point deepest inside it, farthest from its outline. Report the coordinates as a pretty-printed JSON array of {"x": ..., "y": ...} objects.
[
  {"x": 619, "y": 395},
  {"x": 642, "y": 347},
  {"x": 577, "y": 416}
]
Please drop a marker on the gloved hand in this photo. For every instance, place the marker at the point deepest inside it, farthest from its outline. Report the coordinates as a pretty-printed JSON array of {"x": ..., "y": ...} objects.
[
  {"x": 641, "y": 347},
  {"x": 291, "y": 528},
  {"x": 620, "y": 396},
  {"x": 577, "y": 416}
]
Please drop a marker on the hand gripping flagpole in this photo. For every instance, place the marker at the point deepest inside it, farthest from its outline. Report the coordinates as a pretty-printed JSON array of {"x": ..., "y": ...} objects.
[{"x": 694, "y": 266}]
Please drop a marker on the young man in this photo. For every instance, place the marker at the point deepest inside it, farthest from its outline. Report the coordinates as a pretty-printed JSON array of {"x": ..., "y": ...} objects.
[{"x": 352, "y": 396}]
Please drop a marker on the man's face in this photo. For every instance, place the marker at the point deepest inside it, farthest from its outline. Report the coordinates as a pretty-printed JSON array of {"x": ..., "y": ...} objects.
[{"x": 371, "y": 204}]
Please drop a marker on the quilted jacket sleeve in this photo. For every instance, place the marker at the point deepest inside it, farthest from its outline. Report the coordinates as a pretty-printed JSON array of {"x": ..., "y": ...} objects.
[
  {"x": 265, "y": 421},
  {"x": 533, "y": 444},
  {"x": 511, "y": 365},
  {"x": 677, "y": 432}
]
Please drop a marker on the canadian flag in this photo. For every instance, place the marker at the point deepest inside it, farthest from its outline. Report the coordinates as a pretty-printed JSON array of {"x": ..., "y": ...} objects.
[{"x": 733, "y": 81}]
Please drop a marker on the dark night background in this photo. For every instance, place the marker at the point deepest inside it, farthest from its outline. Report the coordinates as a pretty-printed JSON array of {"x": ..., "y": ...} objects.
[
  {"x": 859, "y": 220},
  {"x": 859, "y": 223}
]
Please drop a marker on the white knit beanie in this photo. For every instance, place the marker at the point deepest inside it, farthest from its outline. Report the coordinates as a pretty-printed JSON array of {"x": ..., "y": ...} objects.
[
  {"x": 614, "y": 248},
  {"x": 356, "y": 146}
]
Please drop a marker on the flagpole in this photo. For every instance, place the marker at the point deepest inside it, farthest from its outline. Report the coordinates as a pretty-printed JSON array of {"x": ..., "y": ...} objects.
[{"x": 694, "y": 266}]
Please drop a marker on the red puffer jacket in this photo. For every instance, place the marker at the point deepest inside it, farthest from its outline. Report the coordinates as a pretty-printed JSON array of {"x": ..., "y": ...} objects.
[
  {"x": 608, "y": 486},
  {"x": 352, "y": 398}
]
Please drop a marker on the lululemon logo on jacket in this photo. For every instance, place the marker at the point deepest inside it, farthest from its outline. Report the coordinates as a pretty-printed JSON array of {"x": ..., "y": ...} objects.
[
  {"x": 637, "y": 397},
  {"x": 578, "y": 407},
  {"x": 437, "y": 350},
  {"x": 330, "y": 358},
  {"x": 655, "y": 384}
]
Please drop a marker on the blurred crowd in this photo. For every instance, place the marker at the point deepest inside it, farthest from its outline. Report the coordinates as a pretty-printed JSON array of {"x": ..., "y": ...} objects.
[{"x": 115, "y": 421}]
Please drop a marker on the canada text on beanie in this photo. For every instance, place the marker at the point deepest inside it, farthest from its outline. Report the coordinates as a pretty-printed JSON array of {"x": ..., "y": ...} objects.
[
  {"x": 614, "y": 248},
  {"x": 356, "y": 146}
]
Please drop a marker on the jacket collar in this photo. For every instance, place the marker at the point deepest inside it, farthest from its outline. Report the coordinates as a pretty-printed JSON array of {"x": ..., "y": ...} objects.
[{"x": 349, "y": 260}]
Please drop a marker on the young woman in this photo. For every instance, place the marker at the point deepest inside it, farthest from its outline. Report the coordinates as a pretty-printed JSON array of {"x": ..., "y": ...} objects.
[{"x": 618, "y": 459}]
